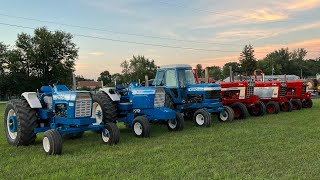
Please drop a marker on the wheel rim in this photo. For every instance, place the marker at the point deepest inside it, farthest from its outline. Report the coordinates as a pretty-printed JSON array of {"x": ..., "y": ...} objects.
[
  {"x": 271, "y": 108},
  {"x": 285, "y": 106},
  {"x": 256, "y": 109},
  {"x": 224, "y": 115},
  {"x": 97, "y": 112},
  {"x": 11, "y": 124},
  {"x": 137, "y": 127},
  {"x": 237, "y": 112},
  {"x": 200, "y": 119},
  {"x": 172, "y": 123},
  {"x": 46, "y": 144},
  {"x": 105, "y": 135},
  {"x": 294, "y": 105}
]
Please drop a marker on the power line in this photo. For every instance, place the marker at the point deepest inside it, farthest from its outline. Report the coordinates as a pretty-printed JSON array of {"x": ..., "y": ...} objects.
[
  {"x": 140, "y": 43},
  {"x": 115, "y": 32},
  {"x": 125, "y": 41}
]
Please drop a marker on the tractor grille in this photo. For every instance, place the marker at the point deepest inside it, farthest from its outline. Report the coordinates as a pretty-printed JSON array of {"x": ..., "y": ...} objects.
[
  {"x": 250, "y": 91},
  {"x": 159, "y": 98},
  {"x": 283, "y": 89},
  {"x": 214, "y": 94},
  {"x": 83, "y": 105}
]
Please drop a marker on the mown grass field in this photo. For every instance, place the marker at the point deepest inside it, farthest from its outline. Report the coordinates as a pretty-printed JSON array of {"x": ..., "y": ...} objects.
[{"x": 282, "y": 146}]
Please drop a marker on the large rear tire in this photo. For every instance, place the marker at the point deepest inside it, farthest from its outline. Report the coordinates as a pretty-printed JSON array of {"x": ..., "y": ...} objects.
[
  {"x": 103, "y": 108},
  {"x": 307, "y": 103},
  {"x": 240, "y": 110},
  {"x": 202, "y": 118},
  {"x": 19, "y": 122},
  {"x": 296, "y": 104},
  {"x": 227, "y": 115},
  {"x": 272, "y": 107}
]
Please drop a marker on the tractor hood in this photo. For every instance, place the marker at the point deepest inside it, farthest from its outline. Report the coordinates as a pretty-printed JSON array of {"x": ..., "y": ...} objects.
[{"x": 203, "y": 87}]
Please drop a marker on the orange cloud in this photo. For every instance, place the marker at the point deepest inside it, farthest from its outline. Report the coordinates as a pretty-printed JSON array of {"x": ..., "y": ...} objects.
[
  {"x": 312, "y": 46},
  {"x": 301, "y": 5}
]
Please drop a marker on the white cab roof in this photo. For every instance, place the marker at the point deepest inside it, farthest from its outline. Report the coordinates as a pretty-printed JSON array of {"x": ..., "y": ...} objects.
[{"x": 175, "y": 66}]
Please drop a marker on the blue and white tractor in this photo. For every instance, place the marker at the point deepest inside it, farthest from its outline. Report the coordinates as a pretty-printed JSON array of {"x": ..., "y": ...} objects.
[
  {"x": 56, "y": 111},
  {"x": 197, "y": 101},
  {"x": 137, "y": 107}
]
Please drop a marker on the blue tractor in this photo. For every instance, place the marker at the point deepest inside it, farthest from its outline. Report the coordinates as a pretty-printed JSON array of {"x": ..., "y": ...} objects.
[
  {"x": 196, "y": 101},
  {"x": 56, "y": 111},
  {"x": 135, "y": 106}
]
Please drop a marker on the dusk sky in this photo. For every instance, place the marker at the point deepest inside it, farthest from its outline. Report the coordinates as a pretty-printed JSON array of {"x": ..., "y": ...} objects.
[{"x": 219, "y": 28}]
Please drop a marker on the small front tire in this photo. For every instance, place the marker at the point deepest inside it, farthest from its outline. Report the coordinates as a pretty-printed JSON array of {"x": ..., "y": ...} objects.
[
  {"x": 111, "y": 134},
  {"x": 202, "y": 118},
  {"x": 240, "y": 110},
  {"x": 52, "y": 142},
  {"x": 226, "y": 115},
  {"x": 296, "y": 104},
  {"x": 176, "y": 124},
  {"x": 141, "y": 127}
]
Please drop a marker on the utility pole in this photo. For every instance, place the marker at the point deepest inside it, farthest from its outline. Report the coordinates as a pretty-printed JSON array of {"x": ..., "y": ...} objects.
[{"x": 300, "y": 73}]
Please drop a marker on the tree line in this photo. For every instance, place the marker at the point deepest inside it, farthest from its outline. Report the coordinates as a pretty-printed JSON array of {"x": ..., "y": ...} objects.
[
  {"x": 281, "y": 61},
  {"x": 37, "y": 58}
]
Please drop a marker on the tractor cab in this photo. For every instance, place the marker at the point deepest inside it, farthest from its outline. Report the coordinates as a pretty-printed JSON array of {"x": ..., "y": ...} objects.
[{"x": 186, "y": 96}]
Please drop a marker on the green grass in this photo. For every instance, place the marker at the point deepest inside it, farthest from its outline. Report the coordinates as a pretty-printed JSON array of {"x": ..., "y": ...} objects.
[{"x": 282, "y": 146}]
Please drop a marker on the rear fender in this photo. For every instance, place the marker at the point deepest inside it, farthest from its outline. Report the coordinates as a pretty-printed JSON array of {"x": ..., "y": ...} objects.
[
  {"x": 112, "y": 93},
  {"x": 32, "y": 99}
]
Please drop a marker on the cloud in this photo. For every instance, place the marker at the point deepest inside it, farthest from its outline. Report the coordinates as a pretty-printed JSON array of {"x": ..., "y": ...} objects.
[
  {"x": 96, "y": 53},
  {"x": 311, "y": 45},
  {"x": 302, "y": 5}
]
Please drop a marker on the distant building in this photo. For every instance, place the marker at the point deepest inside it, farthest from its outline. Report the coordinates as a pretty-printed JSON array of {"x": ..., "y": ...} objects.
[{"x": 89, "y": 84}]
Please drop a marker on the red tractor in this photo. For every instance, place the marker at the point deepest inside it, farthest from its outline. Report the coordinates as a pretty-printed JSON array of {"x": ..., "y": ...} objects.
[
  {"x": 273, "y": 94},
  {"x": 240, "y": 97},
  {"x": 296, "y": 92}
]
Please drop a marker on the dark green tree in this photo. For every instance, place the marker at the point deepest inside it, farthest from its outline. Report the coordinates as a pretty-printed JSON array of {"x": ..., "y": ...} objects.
[
  {"x": 247, "y": 60},
  {"x": 199, "y": 70},
  {"x": 226, "y": 70},
  {"x": 105, "y": 77},
  {"x": 215, "y": 72},
  {"x": 48, "y": 55}
]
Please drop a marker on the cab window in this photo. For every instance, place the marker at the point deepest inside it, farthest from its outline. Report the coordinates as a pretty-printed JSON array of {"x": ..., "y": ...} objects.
[
  {"x": 159, "y": 80},
  {"x": 171, "y": 78}
]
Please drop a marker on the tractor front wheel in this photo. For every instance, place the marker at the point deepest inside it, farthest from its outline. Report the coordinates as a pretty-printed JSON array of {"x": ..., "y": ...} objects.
[
  {"x": 19, "y": 122},
  {"x": 296, "y": 104},
  {"x": 141, "y": 127},
  {"x": 286, "y": 106},
  {"x": 258, "y": 109},
  {"x": 111, "y": 134},
  {"x": 307, "y": 103},
  {"x": 226, "y": 115},
  {"x": 52, "y": 142},
  {"x": 176, "y": 124},
  {"x": 272, "y": 107},
  {"x": 202, "y": 118},
  {"x": 240, "y": 110}
]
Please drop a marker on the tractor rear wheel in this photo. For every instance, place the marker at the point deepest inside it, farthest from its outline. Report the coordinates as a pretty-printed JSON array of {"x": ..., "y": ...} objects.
[
  {"x": 272, "y": 107},
  {"x": 307, "y": 103},
  {"x": 176, "y": 124},
  {"x": 111, "y": 134},
  {"x": 202, "y": 118},
  {"x": 52, "y": 142},
  {"x": 286, "y": 106},
  {"x": 19, "y": 122},
  {"x": 226, "y": 115},
  {"x": 141, "y": 127},
  {"x": 258, "y": 109},
  {"x": 296, "y": 104},
  {"x": 240, "y": 110},
  {"x": 103, "y": 108}
]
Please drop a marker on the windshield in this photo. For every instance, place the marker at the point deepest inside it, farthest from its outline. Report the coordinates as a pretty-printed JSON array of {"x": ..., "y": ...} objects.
[
  {"x": 186, "y": 77},
  {"x": 159, "y": 80}
]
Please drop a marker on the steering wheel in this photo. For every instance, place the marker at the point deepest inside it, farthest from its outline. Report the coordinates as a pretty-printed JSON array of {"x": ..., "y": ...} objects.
[{"x": 53, "y": 82}]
